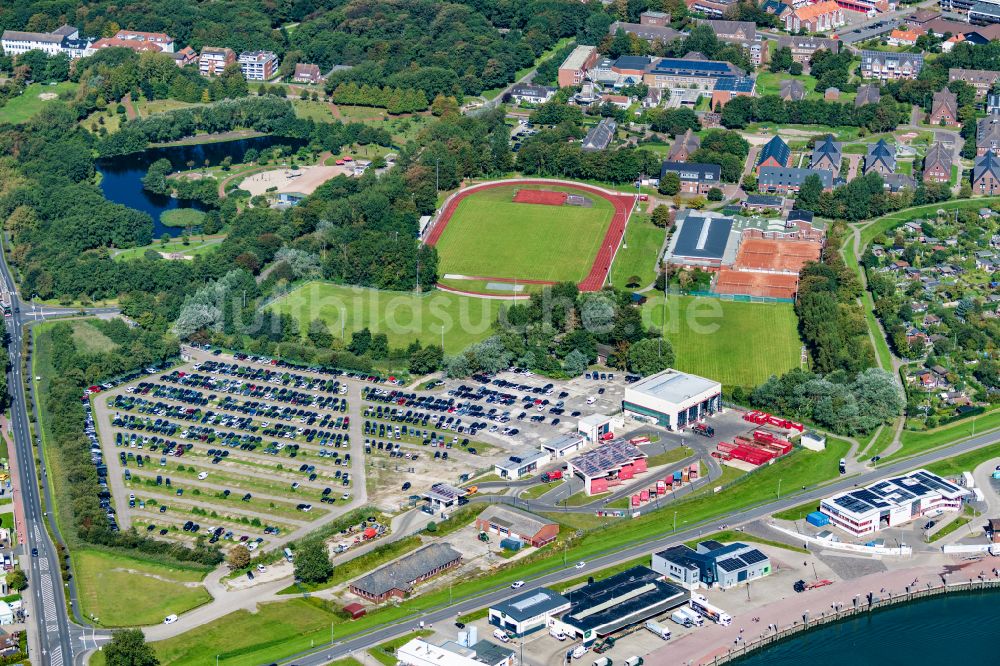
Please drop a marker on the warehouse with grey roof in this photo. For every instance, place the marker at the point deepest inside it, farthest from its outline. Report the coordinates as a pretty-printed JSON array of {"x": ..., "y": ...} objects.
[{"x": 397, "y": 579}]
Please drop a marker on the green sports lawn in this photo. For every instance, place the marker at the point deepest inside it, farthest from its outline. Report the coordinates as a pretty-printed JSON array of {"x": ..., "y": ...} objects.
[
  {"x": 402, "y": 316},
  {"x": 738, "y": 344},
  {"x": 491, "y": 236},
  {"x": 638, "y": 257},
  {"x": 26, "y": 105}
]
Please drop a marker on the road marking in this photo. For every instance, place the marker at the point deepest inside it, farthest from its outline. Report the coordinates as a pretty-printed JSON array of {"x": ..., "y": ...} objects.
[
  {"x": 56, "y": 656},
  {"x": 49, "y": 605}
]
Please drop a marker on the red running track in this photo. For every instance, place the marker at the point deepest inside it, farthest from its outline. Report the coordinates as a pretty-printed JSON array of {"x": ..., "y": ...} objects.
[{"x": 599, "y": 270}]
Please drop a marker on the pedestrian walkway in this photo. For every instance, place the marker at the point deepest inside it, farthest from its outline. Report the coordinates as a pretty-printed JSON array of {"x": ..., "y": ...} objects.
[{"x": 15, "y": 480}]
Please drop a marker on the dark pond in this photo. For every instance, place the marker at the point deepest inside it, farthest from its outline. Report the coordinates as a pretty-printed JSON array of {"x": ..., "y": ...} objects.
[{"x": 122, "y": 176}]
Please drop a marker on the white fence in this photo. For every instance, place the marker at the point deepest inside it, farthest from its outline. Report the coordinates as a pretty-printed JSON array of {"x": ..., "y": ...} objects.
[{"x": 902, "y": 551}]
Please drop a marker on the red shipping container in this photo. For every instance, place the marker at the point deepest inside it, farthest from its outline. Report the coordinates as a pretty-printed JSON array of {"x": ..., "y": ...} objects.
[
  {"x": 669, "y": 482},
  {"x": 635, "y": 500},
  {"x": 644, "y": 495},
  {"x": 626, "y": 472},
  {"x": 598, "y": 486},
  {"x": 639, "y": 465}
]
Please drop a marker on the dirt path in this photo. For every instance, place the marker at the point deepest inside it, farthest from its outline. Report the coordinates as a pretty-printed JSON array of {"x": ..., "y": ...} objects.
[
  {"x": 335, "y": 110},
  {"x": 130, "y": 111}
]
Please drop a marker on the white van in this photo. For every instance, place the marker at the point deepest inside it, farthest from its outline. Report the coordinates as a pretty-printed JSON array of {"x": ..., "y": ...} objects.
[
  {"x": 501, "y": 635},
  {"x": 591, "y": 400},
  {"x": 580, "y": 650},
  {"x": 557, "y": 634}
]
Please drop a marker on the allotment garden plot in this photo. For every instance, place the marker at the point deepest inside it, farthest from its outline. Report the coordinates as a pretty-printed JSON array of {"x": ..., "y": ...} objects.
[{"x": 227, "y": 452}]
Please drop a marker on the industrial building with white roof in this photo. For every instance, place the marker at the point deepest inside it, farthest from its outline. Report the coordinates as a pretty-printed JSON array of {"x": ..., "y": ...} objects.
[
  {"x": 673, "y": 399},
  {"x": 891, "y": 502}
]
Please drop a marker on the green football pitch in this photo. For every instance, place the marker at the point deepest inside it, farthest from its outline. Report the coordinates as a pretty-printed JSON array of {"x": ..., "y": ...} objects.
[
  {"x": 738, "y": 344},
  {"x": 491, "y": 236}
]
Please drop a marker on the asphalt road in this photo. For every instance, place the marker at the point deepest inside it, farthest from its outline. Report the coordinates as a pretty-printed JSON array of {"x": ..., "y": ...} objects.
[
  {"x": 52, "y": 638},
  {"x": 448, "y": 614}
]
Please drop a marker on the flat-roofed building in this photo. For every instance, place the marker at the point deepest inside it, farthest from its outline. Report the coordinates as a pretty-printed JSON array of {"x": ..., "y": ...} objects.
[
  {"x": 702, "y": 239},
  {"x": 891, "y": 502},
  {"x": 563, "y": 445},
  {"x": 617, "y": 602},
  {"x": 574, "y": 69},
  {"x": 649, "y": 32},
  {"x": 694, "y": 73},
  {"x": 673, "y": 399},
  {"x": 214, "y": 59},
  {"x": 65, "y": 39},
  {"x": 420, "y": 652},
  {"x": 258, "y": 65},
  {"x": 528, "y": 612},
  {"x": 520, "y": 464},
  {"x": 712, "y": 564}
]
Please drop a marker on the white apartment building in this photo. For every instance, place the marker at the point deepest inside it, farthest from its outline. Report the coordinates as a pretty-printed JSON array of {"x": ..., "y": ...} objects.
[
  {"x": 258, "y": 65},
  {"x": 214, "y": 59},
  {"x": 65, "y": 39}
]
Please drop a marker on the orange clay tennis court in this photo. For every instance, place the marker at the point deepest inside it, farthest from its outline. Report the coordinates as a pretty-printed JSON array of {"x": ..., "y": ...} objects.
[
  {"x": 773, "y": 255},
  {"x": 746, "y": 283}
]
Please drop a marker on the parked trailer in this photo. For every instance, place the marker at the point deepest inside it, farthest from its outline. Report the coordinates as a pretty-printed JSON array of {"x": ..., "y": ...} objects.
[
  {"x": 681, "y": 618},
  {"x": 661, "y": 487},
  {"x": 694, "y": 619},
  {"x": 658, "y": 629},
  {"x": 700, "y": 605},
  {"x": 634, "y": 661},
  {"x": 602, "y": 661}
]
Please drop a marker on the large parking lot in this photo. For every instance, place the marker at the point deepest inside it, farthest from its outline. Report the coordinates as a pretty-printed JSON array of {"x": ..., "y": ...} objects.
[{"x": 234, "y": 450}]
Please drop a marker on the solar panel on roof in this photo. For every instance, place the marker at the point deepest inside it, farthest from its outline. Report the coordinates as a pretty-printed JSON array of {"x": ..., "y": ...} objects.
[
  {"x": 753, "y": 556},
  {"x": 731, "y": 564}
]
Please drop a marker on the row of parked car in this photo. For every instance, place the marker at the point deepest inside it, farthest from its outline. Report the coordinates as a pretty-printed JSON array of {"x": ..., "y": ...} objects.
[{"x": 270, "y": 376}]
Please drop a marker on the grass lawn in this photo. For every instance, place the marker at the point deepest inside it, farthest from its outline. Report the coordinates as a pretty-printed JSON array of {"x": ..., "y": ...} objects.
[
  {"x": 537, "y": 491},
  {"x": 89, "y": 339},
  {"x": 317, "y": 111},
  {"x": 965, "y": 462},
  {"x": 490, "y": 287},
  {"x": 953, "y": 526},
  {"x": 182, "y": 217},
  {"x": 491, "y": 236},
  {"x": 123, "y": 591},
  {"x": 640, "y": 254},
  {"x": 147, "y": 108},
  {"x": 27, "y": 104},
  {"x": 402, "y": 316},
  {"x": 739, "y": 344},
  {"x": 798, "y": 512},
  {"x": 769, "y": 83},
  {"x": 728, "y": 536},
  {"x": 881, "y": 442},
  {"x": 192, "y": 248},
  {"x": 112, "y": 120},
  {"x": 673, "y": 455},
  {"x": 918, "y": 442}
]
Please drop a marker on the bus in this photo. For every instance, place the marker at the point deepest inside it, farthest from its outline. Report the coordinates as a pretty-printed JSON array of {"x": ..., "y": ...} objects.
[{"x": 5, "y": 304}]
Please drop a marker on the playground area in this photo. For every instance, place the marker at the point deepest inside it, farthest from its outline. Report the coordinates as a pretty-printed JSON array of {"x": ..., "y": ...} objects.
[{"x": 303, "y": 180}]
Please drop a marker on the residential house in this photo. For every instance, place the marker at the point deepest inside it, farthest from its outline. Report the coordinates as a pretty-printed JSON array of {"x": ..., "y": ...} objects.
[
  {"x": 776, "y": 8},
  {"x": 163, "y": 42},
  {"x": 783, "y": 180},
  {"x": 258, "y": 65},
  {"x": 980, "y": 79},
  {"x": 618, "y": 101},
  {"x": 528, "y": 93},
  {"x": 600, "y": 136},
  {"x": 214, "y": 59},
  {"x": 821, "y": 17},
  {"x": 937, "y": 164},
  {"x": 921, "y": 17},
  {"x": 827, "y": 154},
  {"x": 653, "y": 98},
  {"x": 905, "y": 36},
  {"x": 762, "y": 202},
  {"x": 695, "y": 178},
  {"x": 574, "y": 69},
  {"x": 886, "y": 66},
  {"x": 732, "y": 31},
  {"x": 775, "y": 153},
  {"x": 992, "y": 105},
  {"x": 986, "y": 174},
  {"x": 184, "y": 57},
  {"x": 988, "y": 135},
  {"x": 683, "y": 147},
  {"x": 792, "y": 90},
  {"x": 307, "y": 73},
  {"x": 868, "y": 93},
  {"x": 944, "y": 108},
  {"x": 803, "y": 47},
  {"x": 881, "y": 158},
  {"x": 137, "y": 45},
  {"x": 715, "y": 8},
  {"x": 894, "y": 182}
]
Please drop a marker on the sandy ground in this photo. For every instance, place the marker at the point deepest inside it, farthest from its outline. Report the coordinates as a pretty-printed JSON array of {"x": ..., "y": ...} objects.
[{"x": 304, "y": 180}]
